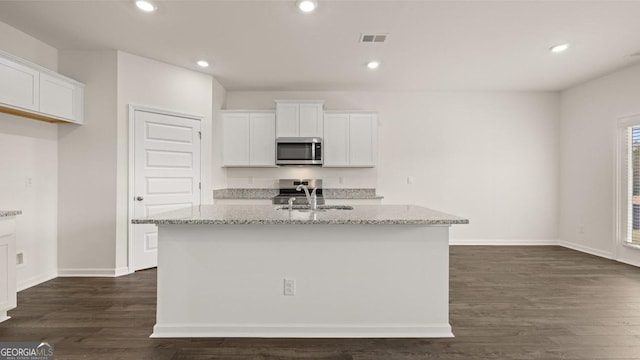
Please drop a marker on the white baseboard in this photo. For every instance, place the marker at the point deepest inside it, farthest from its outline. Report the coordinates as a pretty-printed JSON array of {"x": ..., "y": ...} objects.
[
  {"x": 115, "y": 272},
  {"x": 503, "y": 242},
  {"x": 586, "y": 249},
  {"x": 302, "y": 331},
  {"x": 35, "y": 280},
  {"x": 124, "y": 270},
  {"x": 629, "y": 262}
]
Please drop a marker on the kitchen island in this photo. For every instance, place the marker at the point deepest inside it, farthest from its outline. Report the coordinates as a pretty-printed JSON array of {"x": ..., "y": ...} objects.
[{"x": 257, "y": 271}]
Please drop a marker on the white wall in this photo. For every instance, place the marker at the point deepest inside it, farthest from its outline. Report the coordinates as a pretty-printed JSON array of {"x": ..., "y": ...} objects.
[
  {"x": 87, "y": 169},
  {"x": 150, "y": 83},
  {"x": 589, "y": 115},
  {"x": 29, "y": 150},
  {"x": 488, "y": 156}
]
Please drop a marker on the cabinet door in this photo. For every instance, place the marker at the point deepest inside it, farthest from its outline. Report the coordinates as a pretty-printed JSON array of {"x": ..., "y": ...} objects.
[
  {"x": 336, "y": 140},
  {"x": 287, "y": 120},
  {"x": 236, "y": 139},
  {"x": 60, "y": 98},
  {"x": 19, "y": 85},
  {"x": 362, "y": 140},
  {"x": 7, "y": 266},
  {"x": 263, "y": 140},
  {"x": 310, "y": 120}
]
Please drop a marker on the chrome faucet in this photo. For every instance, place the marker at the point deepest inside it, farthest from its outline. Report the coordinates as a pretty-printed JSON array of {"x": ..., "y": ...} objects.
[
  {"x": 311, "y": 199},
  {"x": 290, "y": 202}
]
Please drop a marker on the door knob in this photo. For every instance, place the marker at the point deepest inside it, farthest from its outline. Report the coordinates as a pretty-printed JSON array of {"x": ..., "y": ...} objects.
[{"x": 139, "y": 198}]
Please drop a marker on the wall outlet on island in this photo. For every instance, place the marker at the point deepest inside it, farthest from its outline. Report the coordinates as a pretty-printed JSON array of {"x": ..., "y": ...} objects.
[
  {"x": 340, "y": 180},
  {"x": 289, "y": 287},
  {"x": 410, "y": 180}
]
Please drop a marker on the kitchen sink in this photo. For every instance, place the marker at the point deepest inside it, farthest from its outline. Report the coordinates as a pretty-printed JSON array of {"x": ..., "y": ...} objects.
[{"x": 320, "y": 207}]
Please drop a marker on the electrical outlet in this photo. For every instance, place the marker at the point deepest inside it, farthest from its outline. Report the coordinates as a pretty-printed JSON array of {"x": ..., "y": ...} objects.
[
  {"x": 289, "y": 287},
  {"x": 28, "y": 181},
  {"x": 19, "y": 259},
  {"x": 410, "y": 180},
  {"x": 340, "y": 180}
]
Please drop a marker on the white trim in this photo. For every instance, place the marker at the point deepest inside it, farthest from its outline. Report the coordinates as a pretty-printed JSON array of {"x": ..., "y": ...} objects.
[
  {"x": 628, "y": 261},
  {"x": 88, "y": 272},
  {"x": 35, "y": 280},
  {"x": 586, "y": 249},
  {"x": 121, "y": 271},
  {"x": 503, "y": 242},
  {"x": 132, "y": 108},
  {"x": 303, "y": 331},
  {"x": 619, "y": 193}
]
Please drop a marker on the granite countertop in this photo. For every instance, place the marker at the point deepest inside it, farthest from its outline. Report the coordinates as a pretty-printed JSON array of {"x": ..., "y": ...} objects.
[
  {"x": 327, "y": 193},
  {"x": 7, "y": 213},
  {"x": 267, "y": 214}
]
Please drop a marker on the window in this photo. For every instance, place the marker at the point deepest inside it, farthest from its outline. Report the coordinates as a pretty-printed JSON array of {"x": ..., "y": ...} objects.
[
  {"x": 629, "y": 180},
  {"x": 633, "y": 233}
]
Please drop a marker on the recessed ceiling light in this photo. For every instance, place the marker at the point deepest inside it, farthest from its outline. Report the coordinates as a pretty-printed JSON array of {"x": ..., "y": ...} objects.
[
  {"x": 373, "y": 64},
  {"x": 559, "y": 48},
  {"x": 202, "y": 63},
  {"x": 146, "y": 6},
  {"x": 307, "y": 6}
]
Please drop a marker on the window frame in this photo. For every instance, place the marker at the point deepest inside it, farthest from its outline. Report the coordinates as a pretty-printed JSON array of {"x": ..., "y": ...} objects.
[{"x": 622, "y": 185}]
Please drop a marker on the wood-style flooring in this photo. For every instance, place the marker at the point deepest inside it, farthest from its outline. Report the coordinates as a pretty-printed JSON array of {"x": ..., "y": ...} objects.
[{"x": 506, "y": 303}]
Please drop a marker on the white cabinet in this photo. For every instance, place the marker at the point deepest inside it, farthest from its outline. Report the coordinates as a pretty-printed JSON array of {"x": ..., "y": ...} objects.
[
  {"x": 350, "y": 139},
  {"x": 19, "y": 85},
  {"x": 296, "y": 118},
  {"x": 7, "y": 266},
  {"x": 60, "y": 98},
  {"x": 29, "y": 90},
  {"x": 249, "y": 139}
]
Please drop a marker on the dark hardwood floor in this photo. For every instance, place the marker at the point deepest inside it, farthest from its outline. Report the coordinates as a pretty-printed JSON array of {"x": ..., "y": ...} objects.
[{"x": 506, "y": 303}]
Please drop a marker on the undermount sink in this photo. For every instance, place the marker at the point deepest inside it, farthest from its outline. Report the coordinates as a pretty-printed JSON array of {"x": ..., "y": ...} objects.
[{"x": 320, "y": 207}]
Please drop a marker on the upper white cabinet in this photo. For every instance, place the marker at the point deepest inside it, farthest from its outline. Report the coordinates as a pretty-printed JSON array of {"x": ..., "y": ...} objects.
[
  {"x": 32, "y": 91},
  {"x": 19, "y": 85},
  {"x": 60, "y": 98},
  {"x": 350, "y": 139},
  {"x": 299, "y": 118},
  {"x": 249, "y": 139}
]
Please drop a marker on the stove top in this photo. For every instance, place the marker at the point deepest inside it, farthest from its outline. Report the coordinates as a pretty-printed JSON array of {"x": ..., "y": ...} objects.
[{"x": 288, "y": 190}]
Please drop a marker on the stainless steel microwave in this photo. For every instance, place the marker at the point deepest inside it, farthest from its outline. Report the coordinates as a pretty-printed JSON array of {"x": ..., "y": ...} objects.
[{"x": 298, "y": 151}]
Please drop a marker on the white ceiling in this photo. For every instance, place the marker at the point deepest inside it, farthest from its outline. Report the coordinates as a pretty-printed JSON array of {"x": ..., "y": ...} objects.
[{"x": 433, "y": 45}]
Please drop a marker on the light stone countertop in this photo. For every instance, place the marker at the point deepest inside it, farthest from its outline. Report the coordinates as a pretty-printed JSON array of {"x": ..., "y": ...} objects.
[
  {"x": 328, "y": 193},
  {"x": 267, "y": 214},
  {"x": 7, "y": 213}
]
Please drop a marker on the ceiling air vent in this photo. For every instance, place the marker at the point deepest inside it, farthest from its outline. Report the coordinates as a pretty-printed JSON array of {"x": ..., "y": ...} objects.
[{"x": 373, "y": 38}]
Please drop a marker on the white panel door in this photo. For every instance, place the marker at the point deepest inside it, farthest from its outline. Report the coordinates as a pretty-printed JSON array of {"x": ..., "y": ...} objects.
[
  {"x": 336, "y": 140},
  {"x": 19, "y": 85},
  {"x": 263, "y": 139},
  {"x": 362, "y": 139},
  {"x": 287, "y": 120},
  {"x": 166, "y": 174},
  {"x": 311, "y": 120}
]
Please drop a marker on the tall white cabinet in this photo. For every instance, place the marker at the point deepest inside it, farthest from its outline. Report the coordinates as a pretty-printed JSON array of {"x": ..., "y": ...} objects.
[
  {"x": 249, "y": 139},
  {"x": 299, "y": 118},
  {"x": 29, "y": 90},
  {"x": 7, "y": 266},
  {"x": 350, "y": 139}
]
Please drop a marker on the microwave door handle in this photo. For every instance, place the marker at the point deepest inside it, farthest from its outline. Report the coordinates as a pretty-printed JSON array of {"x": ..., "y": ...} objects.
[{"x": 313, "y": 151}]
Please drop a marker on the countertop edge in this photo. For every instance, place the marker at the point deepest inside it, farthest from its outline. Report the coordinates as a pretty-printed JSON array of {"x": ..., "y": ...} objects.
[{"x": 299, "y": 222}]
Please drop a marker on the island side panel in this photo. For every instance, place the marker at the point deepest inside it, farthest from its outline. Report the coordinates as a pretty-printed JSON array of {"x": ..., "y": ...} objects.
[{"x": 351, "y": 281}]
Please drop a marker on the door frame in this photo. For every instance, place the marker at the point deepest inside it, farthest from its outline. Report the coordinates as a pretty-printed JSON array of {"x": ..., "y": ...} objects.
[{"x": 132, "y": 108}]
